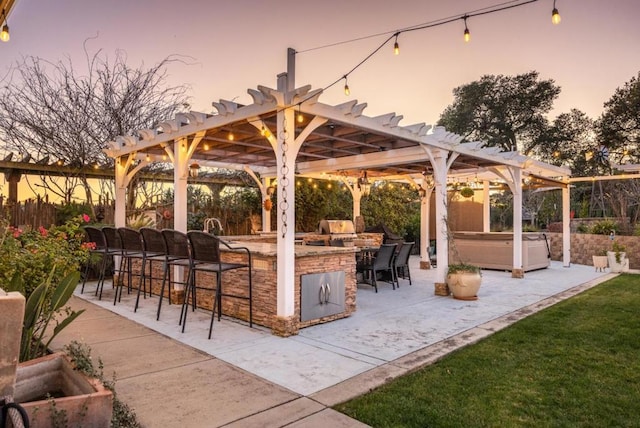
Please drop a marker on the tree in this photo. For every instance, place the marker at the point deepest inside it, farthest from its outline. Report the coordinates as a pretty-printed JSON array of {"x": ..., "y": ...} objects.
[
  {"x": 619, "y": 125},
  {"x": 51, "y": 110},
  {"x": 504, "y": 111},
  {"x": 570, "y": 141}
]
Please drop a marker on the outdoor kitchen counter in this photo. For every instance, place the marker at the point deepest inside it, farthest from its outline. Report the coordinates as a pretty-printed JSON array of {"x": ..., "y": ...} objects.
[
  {"x": 315, "y": 267},
  {"x": 270, "y": 250}
]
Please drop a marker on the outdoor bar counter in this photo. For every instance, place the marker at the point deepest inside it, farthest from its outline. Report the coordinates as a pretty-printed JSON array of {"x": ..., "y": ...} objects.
[
  {"x": 494, "y": 250},
  {"x": 321, "y": 272}
]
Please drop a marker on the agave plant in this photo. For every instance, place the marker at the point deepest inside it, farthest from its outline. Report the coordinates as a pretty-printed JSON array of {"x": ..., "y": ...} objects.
[{"x": 45, "y": 305}]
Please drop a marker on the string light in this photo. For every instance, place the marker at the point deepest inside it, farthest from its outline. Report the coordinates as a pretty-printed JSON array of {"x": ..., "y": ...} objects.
[
  {"x": 206, "y": 146},
  {"x": 439, "y": 22},
  {"x": 164, "y": 157},
  {"x": 467, "y": 34},
  {"x": 148, "y": 157},
  {"x": 263, "y": 131},
  {"x": 555, "y": 15},
  {"x": 396, "y": 46},
  {"x": 300, "y": 117},
  {"x": 4, "y": 34},
  {"x": 230, "y": 136}
]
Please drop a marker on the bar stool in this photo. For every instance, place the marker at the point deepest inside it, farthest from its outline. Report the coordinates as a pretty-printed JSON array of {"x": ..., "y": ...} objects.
[
  {"x": 95, "y": 235},
  {"x": 131, "y": 249},
  {"x": 177, "y": 245},
  {"x": 205, "y": 257},
  {"x": 154, "y": 249},
  {"x": 114, "y": 248}
]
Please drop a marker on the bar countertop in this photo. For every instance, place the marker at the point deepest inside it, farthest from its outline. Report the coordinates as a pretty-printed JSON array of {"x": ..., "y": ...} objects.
[{"x": 270, "y": 250}]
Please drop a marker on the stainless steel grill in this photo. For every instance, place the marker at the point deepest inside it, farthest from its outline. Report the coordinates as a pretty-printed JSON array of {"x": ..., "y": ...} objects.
[{"x": 338, "y": 229}]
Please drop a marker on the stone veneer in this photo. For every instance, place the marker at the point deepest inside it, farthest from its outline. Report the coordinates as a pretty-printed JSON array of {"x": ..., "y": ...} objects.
[
  {"x": 265, "y": 286},
  {"x": 584, "y": 246}
]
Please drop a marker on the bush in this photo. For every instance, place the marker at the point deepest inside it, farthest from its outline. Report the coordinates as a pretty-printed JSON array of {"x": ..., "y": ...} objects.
[
  {"x": 605, "y": 227},
  {"x": 39, "y": 253}
]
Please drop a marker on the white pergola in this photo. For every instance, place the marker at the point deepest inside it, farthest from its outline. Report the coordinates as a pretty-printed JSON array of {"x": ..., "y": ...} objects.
[{"x": 287, "y": 132}]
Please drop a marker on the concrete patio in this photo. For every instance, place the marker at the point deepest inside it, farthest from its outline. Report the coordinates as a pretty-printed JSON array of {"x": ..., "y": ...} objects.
[{"x": 249, "y": 377}]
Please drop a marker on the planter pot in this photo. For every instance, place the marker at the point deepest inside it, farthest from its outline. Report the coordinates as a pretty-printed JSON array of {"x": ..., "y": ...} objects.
[
  {"x": 614, "y": 265},
  {"x": 464, "y": 285},
  {"x": 600, "y": 263},
  {"x": 78, "y": 399}
]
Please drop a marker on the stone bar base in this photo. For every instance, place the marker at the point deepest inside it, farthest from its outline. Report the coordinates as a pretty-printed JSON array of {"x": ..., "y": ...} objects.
[
  {"x": 425, "y": 265},
  {"x": 517, "y": 273},
  {"x": 285, "y": 327}
]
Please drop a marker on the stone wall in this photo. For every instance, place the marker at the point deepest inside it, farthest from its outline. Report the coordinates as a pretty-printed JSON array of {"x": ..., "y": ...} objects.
[{"x": 584, "y": 245}]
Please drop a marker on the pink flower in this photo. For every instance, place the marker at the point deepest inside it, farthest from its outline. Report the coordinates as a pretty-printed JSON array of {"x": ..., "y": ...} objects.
[
  {"x": 17, "y": 232},
  {"x": 43, "y": 232},
  {"x": 86, "y": 218}
]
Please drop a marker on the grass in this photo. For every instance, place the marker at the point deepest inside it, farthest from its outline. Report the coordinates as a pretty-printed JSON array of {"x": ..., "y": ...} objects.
[{"x": 574, "y": 364}]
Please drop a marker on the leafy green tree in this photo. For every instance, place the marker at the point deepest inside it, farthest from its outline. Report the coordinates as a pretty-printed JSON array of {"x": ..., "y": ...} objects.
[
  {"x": 504, "y": 111},
  {"x": 619, "y": 126},
  {"x": 396, "y": 205},
  {"x": 570, "y": 141}
]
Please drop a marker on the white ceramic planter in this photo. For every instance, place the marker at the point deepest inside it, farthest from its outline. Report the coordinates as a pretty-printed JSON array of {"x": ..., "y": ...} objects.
[{"x": 614, "y": 265}]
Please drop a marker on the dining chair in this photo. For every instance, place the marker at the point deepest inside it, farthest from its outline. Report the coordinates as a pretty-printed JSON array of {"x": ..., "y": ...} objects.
[
  {"x": 381, "y": 262},
  {"x": 205, "y": 257},
  {"x": 401, "y": 262}
]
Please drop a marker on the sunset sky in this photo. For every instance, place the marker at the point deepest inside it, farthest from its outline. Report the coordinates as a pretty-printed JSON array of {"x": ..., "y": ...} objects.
[{"x": 229, "y": 46}]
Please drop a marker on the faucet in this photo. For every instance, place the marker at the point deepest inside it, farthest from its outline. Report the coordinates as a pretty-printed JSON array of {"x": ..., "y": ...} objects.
[{"x": 211, "y": 224}]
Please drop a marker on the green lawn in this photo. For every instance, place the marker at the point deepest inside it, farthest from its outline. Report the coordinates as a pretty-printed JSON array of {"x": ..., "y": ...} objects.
[{"x": 574, "y": 364}]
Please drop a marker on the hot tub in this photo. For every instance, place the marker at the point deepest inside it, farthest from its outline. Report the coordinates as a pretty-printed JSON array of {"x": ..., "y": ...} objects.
[{"x": 494, "y": 250}]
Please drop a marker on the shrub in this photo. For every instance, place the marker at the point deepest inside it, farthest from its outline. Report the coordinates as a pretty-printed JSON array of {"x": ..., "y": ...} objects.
[
  {"x": 39, "y": 253},
  {"x": 604, "y": 227}
]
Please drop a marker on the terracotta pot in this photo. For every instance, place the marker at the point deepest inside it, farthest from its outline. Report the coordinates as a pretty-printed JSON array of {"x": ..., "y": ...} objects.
[
  {"x": 268, "y": 204},
  {"x": 464, "y": 285}
]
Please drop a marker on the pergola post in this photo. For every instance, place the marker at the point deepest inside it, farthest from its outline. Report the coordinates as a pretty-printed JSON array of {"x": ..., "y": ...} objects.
[
  {"x": 439, "y": 163},
  {"x": 266, "y": 214},
  {"x": 566, "y": 227},
  {"x": 425, "y": 215},
  {"x": 181, "y": 172},
  {"x": 286, "y": 153},
  {"x": 518, "y": 271},
  {"x": 486, "y": 207}
]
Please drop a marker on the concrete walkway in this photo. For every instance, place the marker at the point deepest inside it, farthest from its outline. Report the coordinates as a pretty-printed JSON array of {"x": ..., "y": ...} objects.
[{"x": 248, "y": 377}]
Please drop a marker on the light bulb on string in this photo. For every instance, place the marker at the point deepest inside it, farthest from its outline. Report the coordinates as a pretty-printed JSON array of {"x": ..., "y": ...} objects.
[
  {"x": 230, "y": 136},
  {"x": 4, "y": 34},
  {"x": 299, "y": 117},
  {"x": 467, "y": 33},
  {"x": 347, "y": 91},
  {"x": 148, "y": 157},
  {"x": 396, "y": 46},
  {"x": 555, "y": 15}
]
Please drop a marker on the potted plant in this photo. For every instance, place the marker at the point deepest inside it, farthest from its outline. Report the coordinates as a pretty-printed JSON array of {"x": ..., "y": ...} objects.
[
  {"x": 464, "y": 281},
  {"x": 600, "y": 261},
  {"x": 617, "y": 258}
]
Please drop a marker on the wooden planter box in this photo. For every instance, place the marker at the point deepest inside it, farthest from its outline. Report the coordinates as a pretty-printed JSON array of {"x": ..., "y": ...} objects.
[{"x": 80, "y": 400}]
